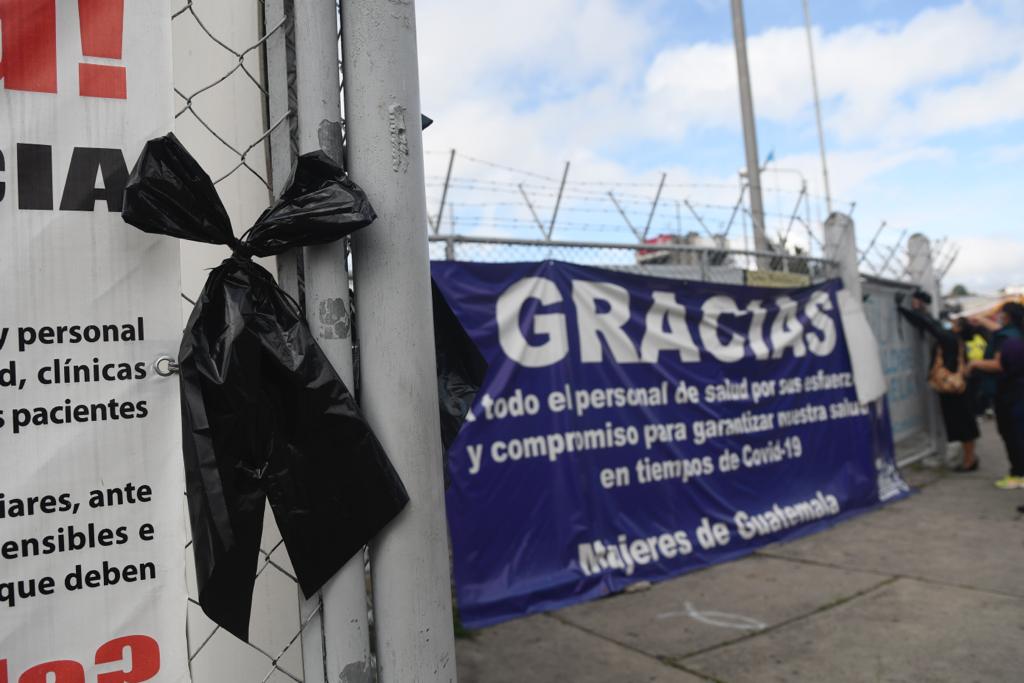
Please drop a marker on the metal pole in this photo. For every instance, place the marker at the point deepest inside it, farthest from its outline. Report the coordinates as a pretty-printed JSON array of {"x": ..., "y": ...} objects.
[
  {"x": 749, "y": 128},
  {"x": 654, "y": 206},
  {"x": 280, "y": 54},
  {"x": 444, "y": 193},
  {"x": 697, "y": 216},
  {"x": 622, "y": 213},
  {"x": 812, "y": 238},
  {"x": 892, "y": 252},
  {"x": 346, "y": 639},
  {"x": 807, "y": 221},
  {"x": 411, "y": 579},
  {"x": 793, "y": 216},
  {"x": 864, "y": 261},
  {"x": 558, "y": 201},
  {"x": 817, "y": 106},
  {"x": 841, "y": 247},
  {"x": 735, "y": 208},
  {"x": 280, "y": 92},
  {"x": 533, "y": 211},
  {"x": 871, "y": 244}
]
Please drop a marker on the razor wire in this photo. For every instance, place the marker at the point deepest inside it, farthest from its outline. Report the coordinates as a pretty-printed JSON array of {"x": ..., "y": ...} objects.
[{"x": 468, "y": 195}]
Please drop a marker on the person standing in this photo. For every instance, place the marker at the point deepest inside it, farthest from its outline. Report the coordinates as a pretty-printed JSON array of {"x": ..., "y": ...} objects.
[
  {"x": 957, "y": 412},
  {"x": 1007, "y": 363},
  {"x": 975, "y": 344}
]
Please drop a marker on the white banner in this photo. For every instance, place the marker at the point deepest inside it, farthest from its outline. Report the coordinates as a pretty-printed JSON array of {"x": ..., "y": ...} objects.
[{"x": 92, "y": 586}]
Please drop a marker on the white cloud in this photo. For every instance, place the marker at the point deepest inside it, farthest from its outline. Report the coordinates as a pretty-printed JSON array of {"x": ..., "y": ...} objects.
[
  {"x": 876, "y": 81},
  {"x": 696, "y": 85},
  {"x": 996, "y": 98},
  {"x": 1006, "y": 154},
  {"x": 986, "y": 264},
  {"x": 529, "y": 48},
  {"x": 555, "y": 78},
  {"x": 850, "y": 170}
]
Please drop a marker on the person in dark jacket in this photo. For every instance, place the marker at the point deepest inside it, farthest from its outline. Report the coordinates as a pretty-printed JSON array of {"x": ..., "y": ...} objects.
[
  {"x": 1007, "y": 364},
  {"x": 958, "y": 415}
]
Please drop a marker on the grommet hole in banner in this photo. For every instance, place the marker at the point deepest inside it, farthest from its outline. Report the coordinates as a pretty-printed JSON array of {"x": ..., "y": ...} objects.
[{"x": 165, "y": 366}]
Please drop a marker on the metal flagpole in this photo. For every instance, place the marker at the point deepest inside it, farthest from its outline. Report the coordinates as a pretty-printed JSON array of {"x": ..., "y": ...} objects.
[
  {"x": 411, "y": 578},
  {"x": 817, "y": 106},
  {"x": 749, "y": 128}
]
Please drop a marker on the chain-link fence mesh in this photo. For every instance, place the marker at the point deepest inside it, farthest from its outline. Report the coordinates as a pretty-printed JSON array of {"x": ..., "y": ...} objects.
[
  {"x": 671, "y": 261},
  {"x": 220, "y": 85}
]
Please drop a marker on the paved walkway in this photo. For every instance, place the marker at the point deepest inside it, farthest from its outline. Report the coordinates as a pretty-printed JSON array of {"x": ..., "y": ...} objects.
[{"x": 927, "y": 589}]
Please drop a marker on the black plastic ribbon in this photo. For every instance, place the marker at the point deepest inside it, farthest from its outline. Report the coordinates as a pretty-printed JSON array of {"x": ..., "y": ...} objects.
[
  {"x": 264, "y": 414},
  {"x": 461, "y": 369}
]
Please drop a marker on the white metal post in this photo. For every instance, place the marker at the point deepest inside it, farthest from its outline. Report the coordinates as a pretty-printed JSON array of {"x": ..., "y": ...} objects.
[
  {"x": 411, "y": 578},
  {"x": 922, "y": 273},
  {"x": 841, "y": 247},
  {"x": 345, "y": 626},
  {"x": 921, "y": 269},
  {"x": 277, "y": 16},
  {"x": 817, "y": 106}
]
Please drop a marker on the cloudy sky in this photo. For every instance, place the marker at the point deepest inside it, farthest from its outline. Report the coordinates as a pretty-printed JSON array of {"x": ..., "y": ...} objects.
[{"x": 923, "y": 105}]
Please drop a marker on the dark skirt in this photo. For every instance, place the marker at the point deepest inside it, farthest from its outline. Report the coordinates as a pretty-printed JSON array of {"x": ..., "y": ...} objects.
[{"x": 958, "y": 416}]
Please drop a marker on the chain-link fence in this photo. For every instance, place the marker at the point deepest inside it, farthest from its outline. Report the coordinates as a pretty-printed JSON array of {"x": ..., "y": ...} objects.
[
  {"x": 705, "y": 264},
  {"x": 220, "y": 84},
  {"x": 905, "y": 357}
]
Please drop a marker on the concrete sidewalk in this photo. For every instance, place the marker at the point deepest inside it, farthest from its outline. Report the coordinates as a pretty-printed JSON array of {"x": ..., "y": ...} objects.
[{"x": 927, "y": 589}]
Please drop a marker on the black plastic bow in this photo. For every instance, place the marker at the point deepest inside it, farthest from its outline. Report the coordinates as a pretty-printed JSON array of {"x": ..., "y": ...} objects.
[
  {"x": 461, "y": 369},
  {"x": 264, "y": 414}
]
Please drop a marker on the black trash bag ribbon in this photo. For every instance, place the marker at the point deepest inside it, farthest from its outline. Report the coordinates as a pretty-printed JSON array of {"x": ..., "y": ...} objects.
[
  {"x": 461, "y": 369},
  {"x": 264, "y": 414}
]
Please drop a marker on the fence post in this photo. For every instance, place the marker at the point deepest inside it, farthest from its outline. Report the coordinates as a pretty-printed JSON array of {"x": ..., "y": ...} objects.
[
  {"x": 921, "y": 270},
  {"x": 345, "y": 645},
  {"x": 278, "y": 23},
  {"x": 922, "y": 273},
  {"x": 444, "y": 193},
  {"x": 841, "y": 247},
  {"x": 411, "y": 579}
]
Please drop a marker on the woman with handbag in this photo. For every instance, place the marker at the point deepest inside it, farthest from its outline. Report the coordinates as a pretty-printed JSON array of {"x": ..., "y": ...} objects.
[
  {"x": 947, "y": 377},
  {"x": 1008, "y": 364}
]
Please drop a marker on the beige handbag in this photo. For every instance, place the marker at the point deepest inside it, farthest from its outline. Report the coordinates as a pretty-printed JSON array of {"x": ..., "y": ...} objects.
[{"x": 944, "y": 380}]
